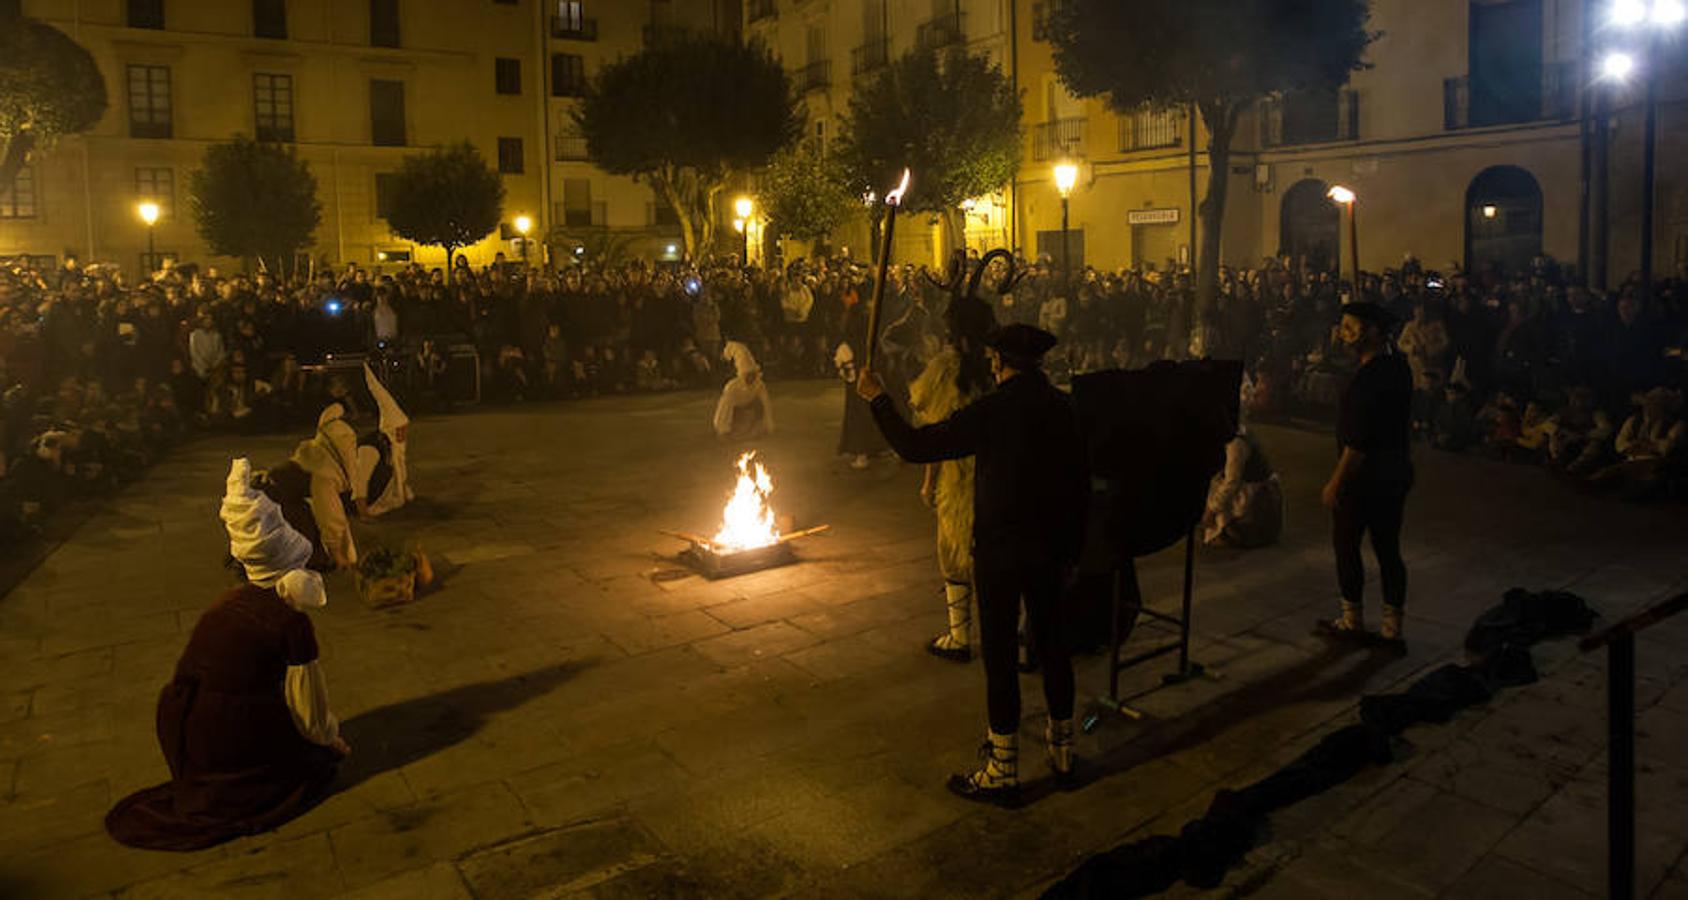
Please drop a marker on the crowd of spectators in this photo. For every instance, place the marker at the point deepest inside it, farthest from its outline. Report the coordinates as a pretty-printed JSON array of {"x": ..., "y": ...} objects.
[{"x": 102, "y": 372}]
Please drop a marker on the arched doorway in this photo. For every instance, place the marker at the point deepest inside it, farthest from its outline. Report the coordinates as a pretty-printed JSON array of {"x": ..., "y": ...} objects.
[
  {"x": 1502, "y": 220},
  {"x": 1310, "y": 225}
]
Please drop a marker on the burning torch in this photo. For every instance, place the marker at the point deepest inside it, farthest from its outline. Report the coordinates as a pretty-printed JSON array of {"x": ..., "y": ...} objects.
[{"x": 893, "y": 199}]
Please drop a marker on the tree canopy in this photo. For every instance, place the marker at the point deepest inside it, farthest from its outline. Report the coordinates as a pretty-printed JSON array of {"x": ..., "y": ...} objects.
[
  {"x": 254, "y": 199},
  {"x": 953, "y": 120},
  {"x": 683, "y": 115},
  {"x": 446, "y": 198},
  {"x": 49, "y": 86},
  {"x": 1220, "y": 55},
  {"x": 804, "y": 193}
]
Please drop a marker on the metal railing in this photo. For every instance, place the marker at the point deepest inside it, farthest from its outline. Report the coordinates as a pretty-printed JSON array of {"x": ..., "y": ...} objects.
[
  {"x": 1058, "y": 138},
  {"x": 939, "y": 32},
  {"x": 1150, "y": 129},
  {"x": 815, "y": 76},
  {"x": 574, "y": 30},
  {"x": 1310, "y": 118},
  {"x": 1558, "y": 101},
  {"x": 870, "y": 57},
  {"x": 757, "y": 10},
  {"x": 571, "y": 147}
]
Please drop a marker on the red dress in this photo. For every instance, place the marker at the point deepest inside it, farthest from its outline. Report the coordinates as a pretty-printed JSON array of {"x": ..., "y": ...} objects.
[{"x": 238, "y": 765}]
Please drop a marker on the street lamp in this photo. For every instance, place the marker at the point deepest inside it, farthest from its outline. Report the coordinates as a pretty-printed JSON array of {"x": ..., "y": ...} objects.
[
  {"x": 523, "y": 225},
  {"x": 1066, "y": 176},
  {"x": 1346, "y": 197},
  {"x": 148, "y": 211},
  {"x": 1657, "y": 18},
  {"x": 743, "y": 207}
]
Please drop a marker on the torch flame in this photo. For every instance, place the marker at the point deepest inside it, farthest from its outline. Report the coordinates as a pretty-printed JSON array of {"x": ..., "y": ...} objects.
[
  {"x": 895, "y": 197},
  {"x": 747, "y": 522}
]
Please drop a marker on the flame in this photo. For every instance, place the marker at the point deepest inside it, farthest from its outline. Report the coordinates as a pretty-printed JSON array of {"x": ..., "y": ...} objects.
[
  {"x": 747, "y": 522},
  {"x": 895, "y": 197}
]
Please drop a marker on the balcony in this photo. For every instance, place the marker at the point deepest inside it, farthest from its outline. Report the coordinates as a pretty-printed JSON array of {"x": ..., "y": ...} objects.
[
  {"x": 940, "y": 32},
  {"x": 570, "y": 29},
  {"x": 1057, "y": 138},
  {"x": 1557, "y": 101},
  {"x": 870, "y": 57},
  {"x": 757, "y": 10},
  {"x": 815, "y": 76},
  {"x": 571, "y": 148},
  {"x": 657, "y": 35},
  {"x": 1310, "y": 117},
  {"x": 1150, "y": 130}
]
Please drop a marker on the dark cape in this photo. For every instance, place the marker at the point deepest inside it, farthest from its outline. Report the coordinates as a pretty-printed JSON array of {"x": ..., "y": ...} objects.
[{"x": 238, "y": 765}]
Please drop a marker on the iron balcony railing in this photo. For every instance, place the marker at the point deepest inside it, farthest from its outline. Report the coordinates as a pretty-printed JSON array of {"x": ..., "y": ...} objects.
[
  {"x": 1558, "y": 101},
  {"x": 1058, "y": 138},
  {"x": 815, "y": 76},
  {"x": 870, "y": 56},
  {"x": 939, "y": 32},
  {"x": 1310, "y": 117},
  {"x": 572, "y": 29},
  {"x": 571, "y": 148},
  {"x": 1149, "y": 130}
]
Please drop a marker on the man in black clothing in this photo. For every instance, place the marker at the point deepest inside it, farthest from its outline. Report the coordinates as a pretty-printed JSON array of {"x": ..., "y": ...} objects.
[
  {"x": 1030, "y": 494},
  {"x": 1367, "y": 492}
]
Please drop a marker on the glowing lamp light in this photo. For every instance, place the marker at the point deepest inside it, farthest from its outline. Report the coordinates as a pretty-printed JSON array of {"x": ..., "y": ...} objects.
[
  {"x": 1490, "y": 211},
  {"x": 743, "y": 207},
  {"x": 1627, "y": 13},
  {"x": 1669, "y": 13},
  {"x": 148, "y": 211},
  {"x": 738, "y": 225},
  {"x": 1066, "y": 175},
  {"x": 671, "y": 249},
  {"x": 969, "y": 204},
  {"x": 1617, "y": 66},
  {"x": 1341, "y": 195},
  {"x": 523, "y": 223},
  {"x": 579, "y": 251},
  {"x": 381, "y": 255},
  {"x": 870, "y": 198}
]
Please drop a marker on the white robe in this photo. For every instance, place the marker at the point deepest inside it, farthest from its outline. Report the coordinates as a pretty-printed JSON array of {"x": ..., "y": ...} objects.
[
  {"x": 744, "y": 410},
  {"x": 396, "y": 426}
]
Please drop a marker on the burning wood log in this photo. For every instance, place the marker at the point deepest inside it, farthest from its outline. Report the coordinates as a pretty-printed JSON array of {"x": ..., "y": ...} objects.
[{"x": 749, "y": 538}]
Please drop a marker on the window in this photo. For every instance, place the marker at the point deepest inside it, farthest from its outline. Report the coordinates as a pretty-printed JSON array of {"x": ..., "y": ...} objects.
[
  {"x": 269, "y": 19},
  {"x": 272, "y": 106},
  {"x": 384, "y": 182},
  {"x": 577, "y": 202},
  {"x": 149, "y": 101},
  {"x": 571, "y": 15},
  {"x": 146, "y": 13},
  {"x": 158, "y": 184},
  {"x": 20, "y": 201},
  {"x": 568, "y": 75},
  {"x": 386, "y": 113},
  {"x": 507, "y": 75},
  {"x": 510, "y": 156},
  {"x": 383, "y": 23}
]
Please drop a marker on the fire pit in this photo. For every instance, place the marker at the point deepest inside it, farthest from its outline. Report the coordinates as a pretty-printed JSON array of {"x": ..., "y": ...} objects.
[{"x": 749, "y": 539}]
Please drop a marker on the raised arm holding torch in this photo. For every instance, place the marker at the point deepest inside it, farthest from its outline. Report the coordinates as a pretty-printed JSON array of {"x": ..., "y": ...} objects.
[{"x": 893, "y": 199}]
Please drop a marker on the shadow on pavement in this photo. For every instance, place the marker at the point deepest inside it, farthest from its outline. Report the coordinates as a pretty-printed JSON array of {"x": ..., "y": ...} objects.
[{"x": 399, "y": 734}]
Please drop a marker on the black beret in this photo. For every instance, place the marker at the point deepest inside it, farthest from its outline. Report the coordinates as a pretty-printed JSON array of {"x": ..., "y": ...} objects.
[{"x": 1021, "y": 342}]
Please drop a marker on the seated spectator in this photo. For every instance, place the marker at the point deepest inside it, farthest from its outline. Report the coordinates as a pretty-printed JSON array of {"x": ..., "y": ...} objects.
[
  {"x": 1579, "y": 434},
  {"x": 1651, "y": 446}
]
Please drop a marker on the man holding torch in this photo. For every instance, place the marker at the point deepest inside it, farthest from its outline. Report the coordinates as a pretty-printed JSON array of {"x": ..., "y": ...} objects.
[{"x": 1030, "y": 495}]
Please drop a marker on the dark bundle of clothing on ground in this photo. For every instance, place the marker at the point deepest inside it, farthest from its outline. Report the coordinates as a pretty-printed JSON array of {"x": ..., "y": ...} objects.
[{"x": 1498, "y": 649}]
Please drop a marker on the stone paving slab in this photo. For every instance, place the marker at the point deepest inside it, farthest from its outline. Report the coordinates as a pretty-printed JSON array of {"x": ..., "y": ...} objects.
[{"x": 564, "y": 717}]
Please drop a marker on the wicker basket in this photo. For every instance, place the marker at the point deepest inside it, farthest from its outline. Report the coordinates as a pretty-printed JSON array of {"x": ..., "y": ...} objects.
[{"x": 390, "y": 591}]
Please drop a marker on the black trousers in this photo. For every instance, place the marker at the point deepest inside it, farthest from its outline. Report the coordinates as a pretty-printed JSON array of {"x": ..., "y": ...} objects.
[
  {"x": 1001, "y": 593},
  {"x": 1375, "y": 508}
]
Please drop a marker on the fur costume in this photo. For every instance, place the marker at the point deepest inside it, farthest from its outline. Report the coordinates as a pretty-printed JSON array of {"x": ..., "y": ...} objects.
[{"x": 935, "y": 396}]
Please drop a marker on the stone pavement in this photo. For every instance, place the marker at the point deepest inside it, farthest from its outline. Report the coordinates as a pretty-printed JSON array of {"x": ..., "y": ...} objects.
[{"x": 555, "y": 721}]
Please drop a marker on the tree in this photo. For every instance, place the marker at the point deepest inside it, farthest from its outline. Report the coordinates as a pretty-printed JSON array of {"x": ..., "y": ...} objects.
[
  {"x": 804, "y": 193},
  {"x": 254, "y": 199},
  {"x": 1219, "y": 55},
  {"x": 683, "y": 115},
  {"x": 954, "y": 121},
  {"x": 49, "y": 87},
  {"x": 446, "y": 198}
]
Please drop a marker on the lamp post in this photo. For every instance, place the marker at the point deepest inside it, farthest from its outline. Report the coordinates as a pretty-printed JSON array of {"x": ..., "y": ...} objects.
[
  {"x": 1066, "y": 175},
  {"x": 523, "y": 225},
  {"x": 148, "y": 211},
  {"x": 743, "y": 207},
  {"x": 1346, "y": 197},
  {"x": 1649, "y": 22}
]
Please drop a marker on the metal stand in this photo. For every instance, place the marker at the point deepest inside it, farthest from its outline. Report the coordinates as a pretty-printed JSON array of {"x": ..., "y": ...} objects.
[{"x": 1186, "y": 668}]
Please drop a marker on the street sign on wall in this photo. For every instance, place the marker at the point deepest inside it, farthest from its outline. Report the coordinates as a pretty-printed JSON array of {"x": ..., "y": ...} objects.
[{"x": 1152, "y": 216}]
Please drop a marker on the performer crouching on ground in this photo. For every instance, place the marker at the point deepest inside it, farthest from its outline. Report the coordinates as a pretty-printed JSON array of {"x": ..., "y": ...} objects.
[
  {"x": 1031, "y": 493},
  {"x": 244, "y": 724},
  {"x": 744, "y": 412},
  {"x": 954, "y": 378}
]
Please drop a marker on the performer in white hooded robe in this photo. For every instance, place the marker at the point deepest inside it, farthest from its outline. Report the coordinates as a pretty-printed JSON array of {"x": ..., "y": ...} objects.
[
  {"x": 331, "y": 458},
  {"x": 394, "y": 426},
  {"x": 744, "y": 412}
]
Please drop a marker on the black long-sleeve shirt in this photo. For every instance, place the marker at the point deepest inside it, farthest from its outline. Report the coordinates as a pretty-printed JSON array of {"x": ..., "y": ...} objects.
[{"x": 1031, "y": 484}]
